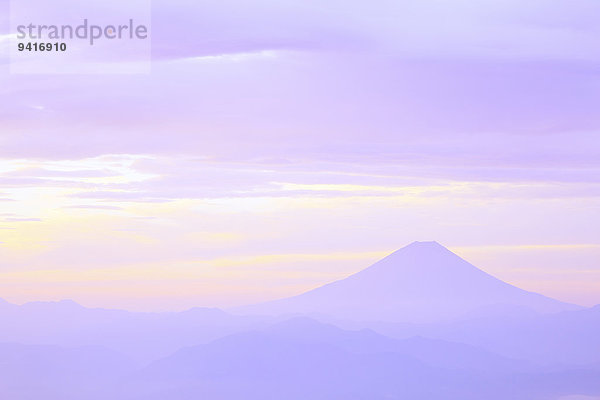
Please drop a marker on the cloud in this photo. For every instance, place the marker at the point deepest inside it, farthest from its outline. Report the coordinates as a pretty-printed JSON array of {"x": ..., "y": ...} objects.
[
  {"x": 36, "y": 172},
  {"x": 335, "y": 80},
  {"x": 159, "y": 179},
  {"x": 94, "y": 207},
  {"x": 123, "y": 196}
]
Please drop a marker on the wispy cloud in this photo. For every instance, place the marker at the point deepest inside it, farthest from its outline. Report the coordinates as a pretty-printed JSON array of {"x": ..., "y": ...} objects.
[{"x": 94, "y": 207}]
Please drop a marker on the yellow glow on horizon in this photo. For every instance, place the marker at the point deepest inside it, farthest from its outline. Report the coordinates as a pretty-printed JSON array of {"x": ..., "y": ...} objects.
[{"x": 191, "y": 269}]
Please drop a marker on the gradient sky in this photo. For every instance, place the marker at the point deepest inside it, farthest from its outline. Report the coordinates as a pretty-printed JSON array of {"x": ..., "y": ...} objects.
[{"x": 279, "y": 145}]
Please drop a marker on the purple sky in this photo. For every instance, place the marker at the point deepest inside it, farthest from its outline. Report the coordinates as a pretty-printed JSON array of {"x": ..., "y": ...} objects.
[{"x": 278, "y": 145}]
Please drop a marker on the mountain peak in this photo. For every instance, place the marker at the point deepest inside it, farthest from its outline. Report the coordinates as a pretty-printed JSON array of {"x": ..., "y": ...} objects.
[
  {"x": 420, "y": 257},
  {"x": 430, "y": 247},
  {"x": 425, "y": 244}
]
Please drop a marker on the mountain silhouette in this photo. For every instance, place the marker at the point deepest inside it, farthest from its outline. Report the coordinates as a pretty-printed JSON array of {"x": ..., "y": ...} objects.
[
  {"x": 422, "y": 282},
  {"x": 301, "y": 358}
]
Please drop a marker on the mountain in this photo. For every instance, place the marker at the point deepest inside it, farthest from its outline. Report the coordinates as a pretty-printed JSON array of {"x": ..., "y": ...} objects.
[
  {"x": 433, "y": 352},
  {"x": 422, "y": 282},
  {"x": 300, "y": 359},
  {"x": 573, "y": 336},
  {"x": 139, "y": 335},
  {"x": 304, "y": 359}
]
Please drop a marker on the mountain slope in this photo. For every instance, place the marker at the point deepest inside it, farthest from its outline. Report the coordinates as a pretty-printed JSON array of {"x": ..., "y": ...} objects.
[
  {"x": 565, "y": 338},
  {"x": 304, "y": 359},
  {"x": 421, "y": 282},
  {"x": 142, "y": 336},
  {"x": 275, "y": 364}
]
